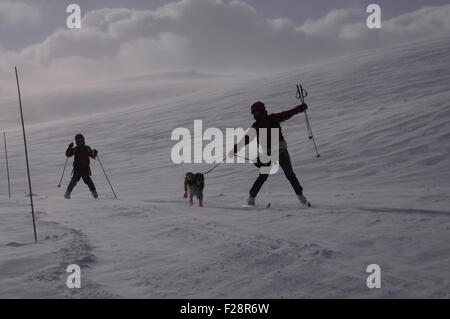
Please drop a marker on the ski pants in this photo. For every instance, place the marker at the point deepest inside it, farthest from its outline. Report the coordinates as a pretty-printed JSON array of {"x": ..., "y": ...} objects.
[
  {"x": 81, "y": 172},
  {"x": 286, "y": 165}
]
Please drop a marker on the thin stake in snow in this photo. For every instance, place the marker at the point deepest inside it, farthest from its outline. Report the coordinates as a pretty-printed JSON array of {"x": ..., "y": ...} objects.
[
  {"x": 26, "y": 157},
  {"x": 104, "y": 172},
  {"x": 7, "y": 165}
]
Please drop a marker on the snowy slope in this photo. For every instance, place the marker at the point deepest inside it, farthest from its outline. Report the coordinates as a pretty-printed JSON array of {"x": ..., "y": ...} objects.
[{"x": 380, "y": 189}]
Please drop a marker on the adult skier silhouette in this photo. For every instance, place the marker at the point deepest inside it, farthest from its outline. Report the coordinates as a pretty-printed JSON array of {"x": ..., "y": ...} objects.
[
  {"x": 263, "y": 120},
  {"x": 81, "y": 168}
]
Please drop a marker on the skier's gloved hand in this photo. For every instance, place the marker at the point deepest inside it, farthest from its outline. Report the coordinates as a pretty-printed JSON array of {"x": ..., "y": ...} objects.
[
  {"x": 94, "y": 153},
  {"x": 302, "y": 107},
  {"x": 70, "y": 146}
]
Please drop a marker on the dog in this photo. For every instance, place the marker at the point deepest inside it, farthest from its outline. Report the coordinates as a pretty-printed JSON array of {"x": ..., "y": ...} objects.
[{"x": 195, "y": 183}]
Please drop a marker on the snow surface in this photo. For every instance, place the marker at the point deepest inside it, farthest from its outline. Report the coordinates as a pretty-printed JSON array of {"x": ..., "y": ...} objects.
[{"x": 380, "y": 190}]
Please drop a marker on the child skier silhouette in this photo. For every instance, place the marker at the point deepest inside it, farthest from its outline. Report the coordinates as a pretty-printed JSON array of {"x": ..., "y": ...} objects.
[{"x": 81, "y": 168}]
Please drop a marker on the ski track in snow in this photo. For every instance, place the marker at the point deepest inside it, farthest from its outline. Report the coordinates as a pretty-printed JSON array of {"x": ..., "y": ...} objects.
[
  {"x": 379, "y": 194},
  {"x": 161, "y": 248},
  {"x": 39, "y": 270}
]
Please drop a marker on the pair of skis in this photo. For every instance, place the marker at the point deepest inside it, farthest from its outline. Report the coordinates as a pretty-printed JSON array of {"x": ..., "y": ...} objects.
[
  {"x": 269, "y": 205},
  {"x": 256, "y": 207}
]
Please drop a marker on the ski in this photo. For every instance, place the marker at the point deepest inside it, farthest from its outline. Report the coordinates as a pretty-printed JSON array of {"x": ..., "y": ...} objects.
[{"x": 257, "y": 207}]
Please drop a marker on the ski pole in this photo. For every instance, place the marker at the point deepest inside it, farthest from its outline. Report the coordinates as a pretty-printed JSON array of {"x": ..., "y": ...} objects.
[
  {"x": 7, "y": 165},
  {"x": 310, "y": 133},
  {"x": 301, "y": 95},
  {"x": 312, "y": 136},
  {"x": 104, "y": 172},
  {"x": 64, "y": 170}
]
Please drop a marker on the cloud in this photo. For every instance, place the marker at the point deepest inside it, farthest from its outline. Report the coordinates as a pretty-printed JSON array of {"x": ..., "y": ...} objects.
[
  {"x": 193, "y": 34},
  {"x": 208, "y": 34},
  {"x": 425, "y": 22},
  {"x": 17, "y": 12},
  {"x": 333, "y": 23}
]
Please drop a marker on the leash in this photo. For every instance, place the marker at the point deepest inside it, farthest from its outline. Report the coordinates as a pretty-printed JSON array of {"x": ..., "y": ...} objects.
[
  {"x": 212, "y": 169},
  {"x": 223, "y": 161},
  {"x": 215, "y": 166}
]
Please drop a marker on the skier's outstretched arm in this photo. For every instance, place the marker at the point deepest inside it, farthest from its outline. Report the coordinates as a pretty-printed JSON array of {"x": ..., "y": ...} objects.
[
  {"x": 286, "y": 115},
  {"x": 70, "y": 150}
]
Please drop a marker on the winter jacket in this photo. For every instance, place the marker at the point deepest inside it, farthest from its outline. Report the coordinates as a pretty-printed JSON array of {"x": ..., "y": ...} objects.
[
  {"x": 273, "y": 121},
  {"x": 83, "y": 154}
]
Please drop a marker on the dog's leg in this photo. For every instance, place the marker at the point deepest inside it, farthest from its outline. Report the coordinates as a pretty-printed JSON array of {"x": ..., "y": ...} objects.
[
  {"x": 200, "y": 198},
  {"x": 191, "y": 199}
]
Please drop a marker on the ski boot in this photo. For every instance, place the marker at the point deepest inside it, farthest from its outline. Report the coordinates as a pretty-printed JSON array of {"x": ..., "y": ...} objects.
[
  {"x": 67, "y": 195},
  {"x": 94, "y": 194},
  {"x": 251, "y": 201},
  {"x": 303, "y": 200}
]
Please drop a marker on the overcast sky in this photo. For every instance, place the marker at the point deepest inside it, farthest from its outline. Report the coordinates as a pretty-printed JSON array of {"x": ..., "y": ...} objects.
[
  {"x": 121, "y": 37},
  {"x": 52, "y": 13}
]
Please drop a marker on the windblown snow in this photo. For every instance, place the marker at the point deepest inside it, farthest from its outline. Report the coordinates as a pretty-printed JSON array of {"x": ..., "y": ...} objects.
[{"x": 380, "y": 190}]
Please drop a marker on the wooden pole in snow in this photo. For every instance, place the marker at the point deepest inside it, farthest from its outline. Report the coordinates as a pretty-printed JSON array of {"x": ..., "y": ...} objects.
[
  {"x": 7, "y": 165},
  {"x": 26, "y": 157}
]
